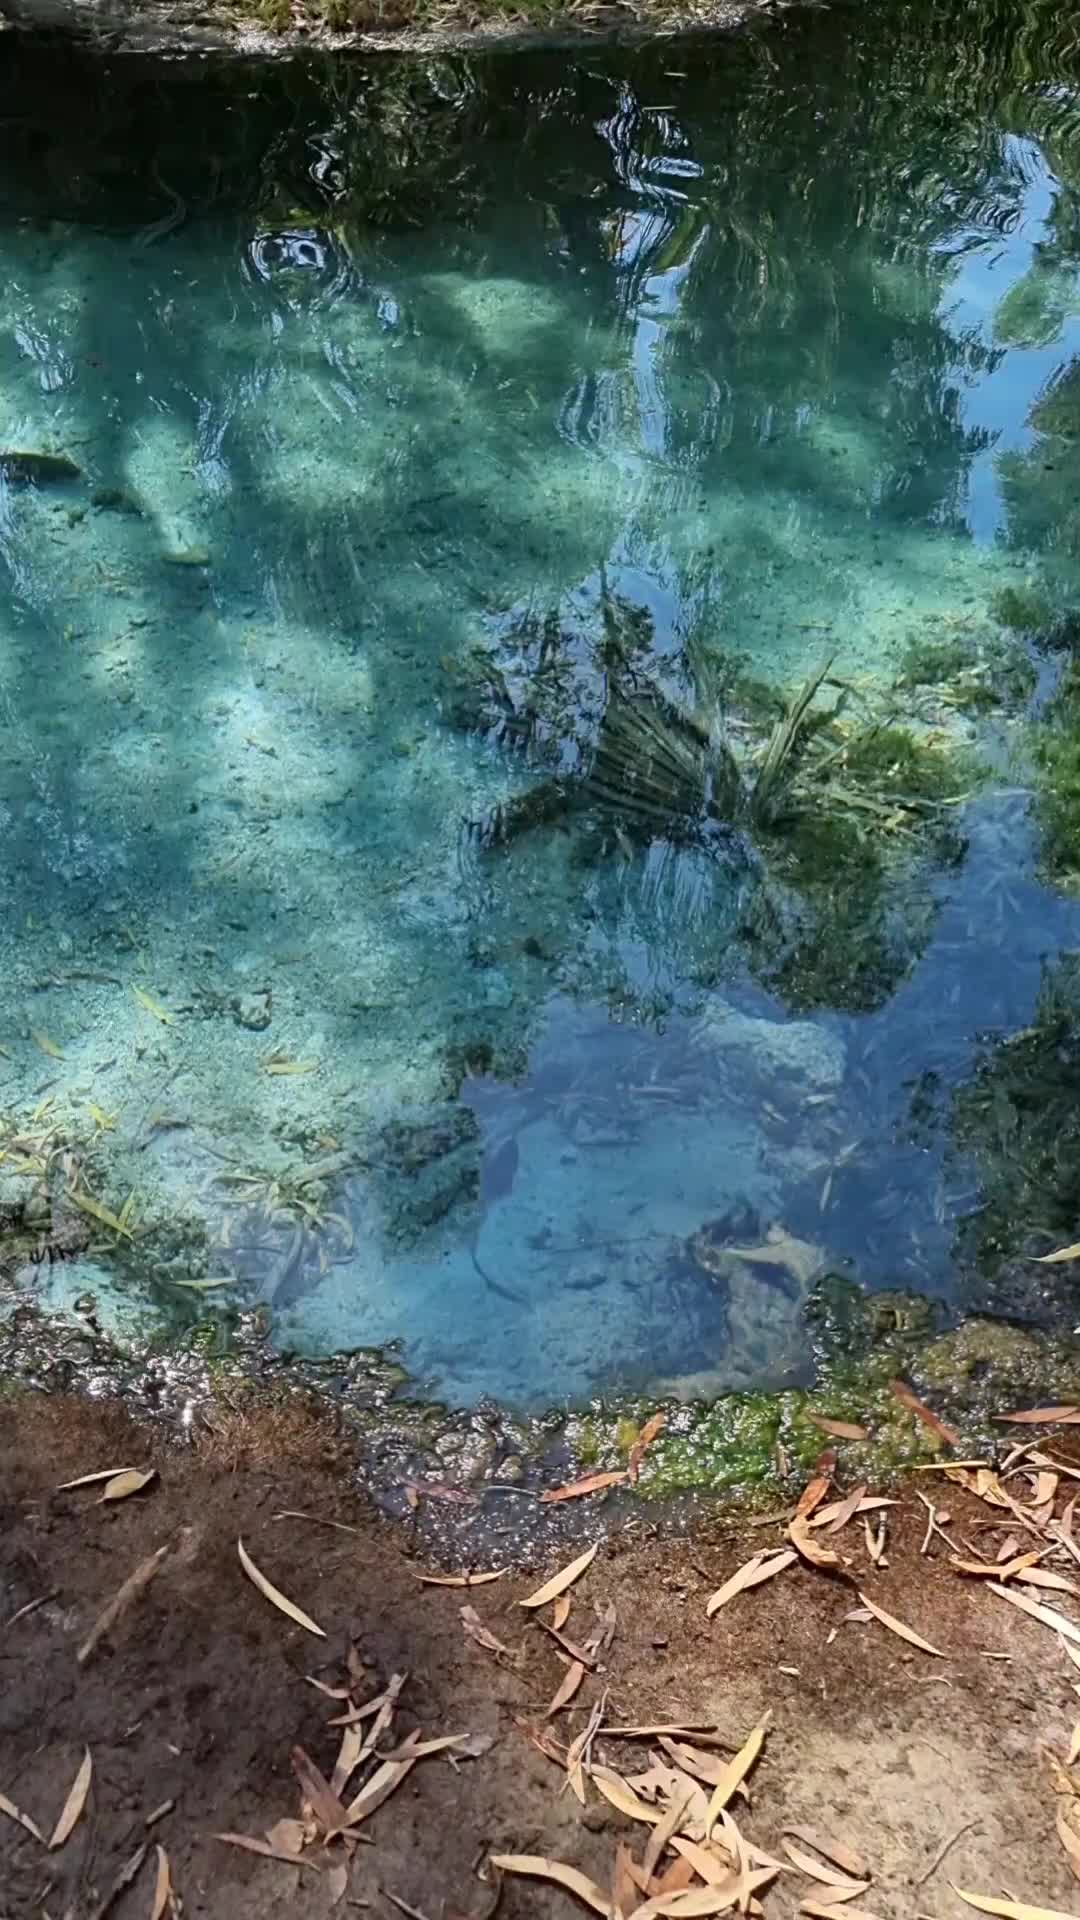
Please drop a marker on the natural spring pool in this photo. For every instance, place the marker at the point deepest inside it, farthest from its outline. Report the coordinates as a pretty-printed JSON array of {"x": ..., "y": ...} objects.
[{"x": 422, "y": 484}]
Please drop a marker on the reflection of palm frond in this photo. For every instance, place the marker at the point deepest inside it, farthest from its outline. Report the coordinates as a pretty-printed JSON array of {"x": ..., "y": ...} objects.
[{"x": 656, "y": 764}]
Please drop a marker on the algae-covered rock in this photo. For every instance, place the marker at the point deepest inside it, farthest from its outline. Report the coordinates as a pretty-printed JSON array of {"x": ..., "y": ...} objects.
[
  {"x": 22, "y": 468},
  {"x": 989, "y": 1352},
  {"x": 797, "y": 1054}
]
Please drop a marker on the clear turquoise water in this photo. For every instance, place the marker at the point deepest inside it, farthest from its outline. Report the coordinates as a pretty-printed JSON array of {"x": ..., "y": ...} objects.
[{"x": 385, "y": 386}]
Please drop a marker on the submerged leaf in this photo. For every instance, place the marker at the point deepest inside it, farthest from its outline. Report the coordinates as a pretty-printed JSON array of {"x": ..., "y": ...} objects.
[
  {"x": 1063, "y": 1253},
  {"x": 48, "y": 1046},
  {"x": 576, "y": 1490},
  {"x": 840, "y": 1429},
  {"x": 150, "y": 1005},
  {"x": 560, "y": 1581},
  {"x": 74, "y": 1803},
  {"x": 276, "y": 1598}
]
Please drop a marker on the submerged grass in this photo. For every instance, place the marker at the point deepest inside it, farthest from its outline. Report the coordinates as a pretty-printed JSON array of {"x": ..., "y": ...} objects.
[{"x": 373, "y": 16}]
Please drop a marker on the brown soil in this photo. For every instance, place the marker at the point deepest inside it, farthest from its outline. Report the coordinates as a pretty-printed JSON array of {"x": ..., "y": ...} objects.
[{"x": 198, "y": 1695}]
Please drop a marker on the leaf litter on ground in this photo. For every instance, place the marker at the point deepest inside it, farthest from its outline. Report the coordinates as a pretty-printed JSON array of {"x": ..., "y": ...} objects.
[
  {"x": 274, "y": 1594},
  {"x": 559, "y": 1582},
  {"x": 75, "y": 1802}
]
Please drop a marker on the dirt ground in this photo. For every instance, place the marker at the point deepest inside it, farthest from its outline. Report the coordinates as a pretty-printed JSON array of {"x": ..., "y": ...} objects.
[{"x": 197, "y": 1696}]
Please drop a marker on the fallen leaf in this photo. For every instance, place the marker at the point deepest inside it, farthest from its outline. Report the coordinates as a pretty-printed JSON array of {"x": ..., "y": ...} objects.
[
  {"x": 560, "y": 1613},
  {"x": 992, "y": 1569},
  {"x": 751, "y": 1574},
  {"x": 922, "y": 1412},
  {"x": 384, "y": 1781},
  {"x": 537, "y": 1867},
  {"x": 828, "y": 1910},
  {"x": 708, "y": 1863},
  {"x": 840, "y": 1429},
  {"x": 700, "y": 1901},
  {"x": 121, "y": 1599},
  {"x": 642, "y": 1444},
  {"x": 805, "y": 1544},
  {"x": 337, "y": 1883},
  {"x": 827, "y": 1875},
  {"x": 812, "y": 1496},
  {"x": 1063, "y": 1253},
  {"x": 1009, "y": 1909},
  {"x": 438, "y": 1490},
  {"x": 163, "y": 1893},
  {"x": 74, "y": 1803},
  {"x": 96, "y": 1211},
  {"x": 1047, "y": 1616},
  {"x": 1069, "y": 1836},
  {"x": 46, "y": 1045},
  {"x": 560, "y": 1581},
  {"x": 251, "y": 1844},
  {"x": 576, "y": 1490},
  {"x": 1042, "y": 1416},
  {"x": 271, "y": 1593},
  {"x": 734, "y": 1774},
  {"x": 844, "y": 1857},
  {"x": 1046, "y": 1577},
  {"x": 846, "y": 1510},
  {"x": 575, "y": 1674},
  {"x": 288, "y": 1836},
  {"x": 317, "y": 1791},
  {"x": 579, "y": 1751},
  {"x": 460, "y": 1579},
  {"x": 472, "y": 1745},
  {"x": 871, "y": 1503},
  {"x": 279, "y": 1066},
  {"x": 621, "y": 1795},
  {"x": 122, "y": 1485},
  {"x": 89, "y": 1479},
  {"x": 662, "y": 1832},
  {"x": 23, "y": 1819},
  {"x": 897, "y": 1626}
]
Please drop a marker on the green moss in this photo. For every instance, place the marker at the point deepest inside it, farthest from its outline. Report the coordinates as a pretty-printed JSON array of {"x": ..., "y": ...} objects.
[
  {"x": 1024, "y": 609},
  {"x": 976, "y": 677},
  {"x": 898, "y": 760}
]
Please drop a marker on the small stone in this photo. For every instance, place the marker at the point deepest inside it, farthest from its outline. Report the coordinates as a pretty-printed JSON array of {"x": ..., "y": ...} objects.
[
  {"x": 511, "y": 1470},
  {"x": 252, "y": 1010}
]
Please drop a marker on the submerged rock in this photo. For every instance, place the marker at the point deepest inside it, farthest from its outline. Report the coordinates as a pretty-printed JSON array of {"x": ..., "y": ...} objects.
[
  {"x": 21, "y": 468},
  {"x": 798, "y": 1051}
]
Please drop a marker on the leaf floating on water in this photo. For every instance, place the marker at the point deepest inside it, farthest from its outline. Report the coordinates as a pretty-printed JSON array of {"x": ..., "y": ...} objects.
[
  {"x": 1042, "y": 1417},
  {"x": 576, "y": 1490},
  {"x": 48, "y": 1046},
  {"x": 271, "y": 1593},
  {"x": 922, "y": 1412},
  {"x": 22, "y": 1819},
  {"x": 840, "y": 1429},
  {"x": 75, "y": 1802},
  {"x": 897, "y": 1626},
  {"x": 150, "y": 1005},
  {"x": 1009, "y": 1909},
  {"x": 751, "y": 1574},
  {"x": 537, "y": 1867},
  {"x": 163, "y": 1893},
  {"x": 642, "y": 1444},
  {"x": 560, "y": 1581},
  {"x": 460, "y": 1579},
  {"x": 131, "y": 1480},
  {"x": 1063, "y": 1253}
]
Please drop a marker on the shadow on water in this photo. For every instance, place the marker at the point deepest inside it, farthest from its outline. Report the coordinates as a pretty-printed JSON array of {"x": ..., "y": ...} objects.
[{"x": 432, "y": 418}]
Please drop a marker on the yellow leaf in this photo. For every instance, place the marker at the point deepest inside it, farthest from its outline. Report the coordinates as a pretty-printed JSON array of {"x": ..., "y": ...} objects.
[
  {"x": 272, "y": 1594},
  {"x": 47, "y": 1046},
  {"x": 615, "y": 1789},
  {"x": 147, "y": 1001},
  {"x": 163, "y": 1895},
  {"x": 1051, "y": 1260},
  {"x": 1047, "y": 1616},
  {"x": 560, "y": 1581},
  {"x": 74, "y": 1803},
  {"x": 734, "y": 1774},
  {"x": 1009, "y": 1909},
  {"x": 105, "y": 1122},
  {"x": 88, "y": 1479},
  {"x": 122, "y": 1485},
  {"x": 104, "y": 1215},
  {"x": 538, "y": 1867},
  {"x": 276, "y": 1065},
  {"x": 762, "y": 1567},
  {"x": 23, "y": 1819},
  {"x": 897, "y": 1626},
  {"x": 459, "y": 1579}
]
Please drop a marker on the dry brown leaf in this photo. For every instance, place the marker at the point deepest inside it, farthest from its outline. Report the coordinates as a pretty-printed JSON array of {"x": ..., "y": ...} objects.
[
  {"x": 250, "y": 1843},
  {"x": 121, "y": 1599},
  {"x": 697, "y": 1901},
  {"x": 804, "y": 1543},
  {"x": 991, "y": 1569},
  {"x": 318, "y": 1792},
  {"x": 642, "y": 1444},
  {"x": 560, "y": 1581},
  {"x": 350, "y": 1754},
  {"x": 91, "y": 1479},
  {"x": 272, "y": 1593},
  {"x": 734, "y": 1774},
  {"x": 163, "y": 1894},
  {"x": 572, "y": 1679},
  {"x": 460, "y": 1579},
  {"x": 1069, "y": 1835},
  {"x": 1073, "y": 1754},
  {"x": 701, "y": 1766},
  {"x": 122, "y": 1485},
  {"x": 537, "y": 1867},
  {"x": 1042, "y": 1416},
  {"x": 897, "y": 1626},
  {"x": 577, "y": 1489},
  {"x": 827, "y": 1910},
  {"x": 1047, "y": 1616},
  {"x": 846, "y": 1510},
  {"x": 844, "y": 1857},
  {"x": 472, "y": 1745},
  {"x": 840, "y": 1429},
  {"x": 1009, "y": 1909},
  {"x": 814, "y": 1870},
  {"x": 708, "y": 1863},
  {"x": 288, "y": 1836},
  {"x": 812, "y": 1496},
  {"x": 1062, "y": 1253},
  {"x": 560, "y": 1613},
  {"x": 871, "y": 1503},
  {"x": 625, "y": 1884},
  {"x": 74, "y": 1803},
  {"x": 751, "y": 1574},
  {"x": 337, "y": 1883},
  {"x": 1046, "y": 1577},
  {"x": 22, "y": 1819},
  {"x": 680, "y": 1875},
  {"x": 384, "y": 1781},
  {"x": 922, "y": 1412},
  {"x": 662, "y": 1832},
  {"x": 621, "y": 1795},
  {"x": 579, "y": 1751}
]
